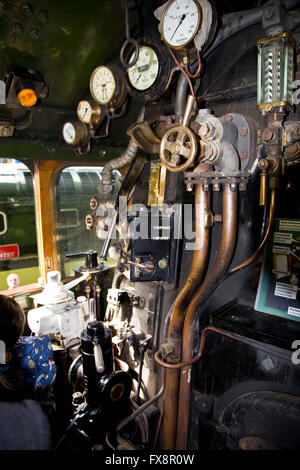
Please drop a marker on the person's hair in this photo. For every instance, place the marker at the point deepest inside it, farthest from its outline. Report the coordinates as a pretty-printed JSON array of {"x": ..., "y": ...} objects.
[{"x": 12, "y": 321}]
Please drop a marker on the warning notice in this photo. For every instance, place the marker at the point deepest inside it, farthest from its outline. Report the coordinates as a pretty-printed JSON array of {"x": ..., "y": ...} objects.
[
  {"x": 9, "y": 252},
  {"x": 279, "y": 284}
]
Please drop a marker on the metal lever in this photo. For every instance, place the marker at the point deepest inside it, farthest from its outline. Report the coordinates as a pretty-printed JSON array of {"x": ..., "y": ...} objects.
[
  {"x": 99, "y": 362},
  {"x": 103, "y": 254}
]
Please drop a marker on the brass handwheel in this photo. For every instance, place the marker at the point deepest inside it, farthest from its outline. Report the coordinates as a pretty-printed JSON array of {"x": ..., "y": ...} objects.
[{"x": 178, "y": 148}]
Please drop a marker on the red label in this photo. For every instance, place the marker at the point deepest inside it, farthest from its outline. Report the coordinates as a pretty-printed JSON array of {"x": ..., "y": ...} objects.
[{"x": 9, "y": 252}]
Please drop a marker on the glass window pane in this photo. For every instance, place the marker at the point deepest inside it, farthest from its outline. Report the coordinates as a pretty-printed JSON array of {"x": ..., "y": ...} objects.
[
  {"x": 18, "y": 241},
  {"x": 75, "y": 188}
]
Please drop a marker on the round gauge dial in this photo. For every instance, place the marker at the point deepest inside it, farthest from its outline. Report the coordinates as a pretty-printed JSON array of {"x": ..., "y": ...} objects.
[
  {"x": 180, "y": 22},
  {"x": 145, "y": 72},
  {"x": 88, "y": 112},
  {"x": 103, "y": 84},
  {"x": 74, "y": 132}
]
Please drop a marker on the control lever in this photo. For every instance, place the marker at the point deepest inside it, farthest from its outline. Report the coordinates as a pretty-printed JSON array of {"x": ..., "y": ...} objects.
[
  {"x": 90, "y": 256},
  {"x": 179, "y": 143},
  {"x": 99, "y": 362},
  {"x": 148, "y": 267},
  {"x": 103, "y": 254}
]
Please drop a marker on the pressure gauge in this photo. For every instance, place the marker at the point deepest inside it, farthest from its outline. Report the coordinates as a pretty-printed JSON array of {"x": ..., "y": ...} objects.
[
  {"x": 180, "y": 22},
  {"x": 89, "y": 112},
  {"x": 152, "y": 73},
  {"x": 107, "y": 86},
  {"x": 75, "y": 133},
  {"x": 145, "y": 72}
]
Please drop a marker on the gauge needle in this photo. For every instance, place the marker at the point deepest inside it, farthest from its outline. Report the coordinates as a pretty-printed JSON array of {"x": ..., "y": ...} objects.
[
  {"x": 104, "y": 91},
  {"x": 182, "y": 18}
]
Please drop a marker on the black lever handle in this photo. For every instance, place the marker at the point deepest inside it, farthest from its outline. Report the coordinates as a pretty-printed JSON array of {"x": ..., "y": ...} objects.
[{"x": 90, "y": 256}]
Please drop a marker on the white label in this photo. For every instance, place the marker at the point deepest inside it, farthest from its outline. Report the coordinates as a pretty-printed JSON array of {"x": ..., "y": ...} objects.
[
  {"x": 283, "y": 238},
  {"x": 294, "y": 311},
  {"x": 281, "y": 250},
  {"x": 293, "y": 225},
  {"x": 286, "y": 290}
]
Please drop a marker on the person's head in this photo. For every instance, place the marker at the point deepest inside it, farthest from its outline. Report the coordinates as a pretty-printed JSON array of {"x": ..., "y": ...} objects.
[
  {"x": 12, "y": 321},
  {"x": 12, "y": 280}
]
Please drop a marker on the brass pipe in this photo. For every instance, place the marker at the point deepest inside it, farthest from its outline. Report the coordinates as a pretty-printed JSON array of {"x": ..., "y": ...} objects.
[
  {"x": 216, "y": 273},
  {"x": 202, "y": 211}
]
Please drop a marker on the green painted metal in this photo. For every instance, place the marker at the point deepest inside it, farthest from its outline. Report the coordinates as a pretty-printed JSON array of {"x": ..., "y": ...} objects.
[{"x": 63, "y": 40}]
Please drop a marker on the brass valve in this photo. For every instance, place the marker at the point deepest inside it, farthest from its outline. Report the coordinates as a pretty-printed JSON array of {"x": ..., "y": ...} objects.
[
  {"x": 179, "y": 143},
  {"x": 263, "y": 165}
]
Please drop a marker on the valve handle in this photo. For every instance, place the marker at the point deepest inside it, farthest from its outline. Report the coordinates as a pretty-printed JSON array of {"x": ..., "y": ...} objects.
[
  {"x": 179, "y": 143},
  {"x": 181, "y": 146}
]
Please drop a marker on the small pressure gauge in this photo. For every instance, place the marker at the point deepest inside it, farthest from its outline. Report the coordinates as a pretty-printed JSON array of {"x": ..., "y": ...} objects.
[
  {"x": 150, "y": 76},
  {"x": 180, "y": 22},
  {"x": 107, "y": 85},
  {"x": 89, "y": 112},
  {"x": 75, "y": 133}
]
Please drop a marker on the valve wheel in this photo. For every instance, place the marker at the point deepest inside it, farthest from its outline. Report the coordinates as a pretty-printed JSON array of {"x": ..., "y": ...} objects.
[{"x": 178, "y": 148}]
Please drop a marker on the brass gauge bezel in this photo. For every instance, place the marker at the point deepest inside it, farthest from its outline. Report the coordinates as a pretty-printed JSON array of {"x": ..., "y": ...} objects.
[
  {"x": 81, "y": 133},
  {"x": 116, "y": 98},
  {"x": 95, "y": 112},
  {"x": 163, "y": 17}
]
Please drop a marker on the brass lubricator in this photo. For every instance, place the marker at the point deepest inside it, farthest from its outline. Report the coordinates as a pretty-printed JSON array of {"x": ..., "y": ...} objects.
[{"x": 179, "y": 143}]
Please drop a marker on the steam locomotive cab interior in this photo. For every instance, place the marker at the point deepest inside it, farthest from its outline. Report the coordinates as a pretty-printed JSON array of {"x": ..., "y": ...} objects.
[{"x": 149, "y": 205}]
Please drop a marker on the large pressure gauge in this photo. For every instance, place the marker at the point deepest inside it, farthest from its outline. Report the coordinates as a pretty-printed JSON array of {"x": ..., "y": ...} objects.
[
  {"x": 75, "y": 133},
  {"x": 180, "y": 22},
  {"x": 106, "y": 85},
  {"x": 89, "y": 112}
]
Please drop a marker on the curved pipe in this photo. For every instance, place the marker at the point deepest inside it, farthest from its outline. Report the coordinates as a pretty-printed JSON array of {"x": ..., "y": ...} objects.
[
  {"x": 125, "y": 159},
  {"x": 261, "y": 246},
  {"x": 234, "y": 22},
  {"x": 202, "y": 209},
  {"x": 218, "y": 270}
]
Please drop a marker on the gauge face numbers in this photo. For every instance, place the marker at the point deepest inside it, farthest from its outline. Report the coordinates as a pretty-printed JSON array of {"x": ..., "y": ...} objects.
[
  {"x": 103, "y": 84},
  {"x": 74, "y": 132},
  {"x": 88, "y": 112},
  {"x": 145, "y": 72},
  {"x": 180, "y": 22}
]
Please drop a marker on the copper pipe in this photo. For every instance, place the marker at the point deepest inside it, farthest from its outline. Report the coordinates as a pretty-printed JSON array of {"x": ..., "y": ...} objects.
[
  {"x": 259, "y": 249},
  {"x": 216, "y": 273},
  {"x": 202, "y": 210}
]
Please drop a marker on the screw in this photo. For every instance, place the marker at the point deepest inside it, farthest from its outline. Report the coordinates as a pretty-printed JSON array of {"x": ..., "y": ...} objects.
[
  {"x": 243, "y": 155},
  {"x": 189, "y": 187},
  {"x": 163, "y": 263},
  {"x": 18, "y": 29},
  {"x": 43, "y": 17},
  {"x": 34, "y": 34},
  {"x": 267, "y": 135},
  {"x": 216, "y": 187},
  {"x": 27, "y": 9},
  {"x": 243, "y": 131},
  {"x": 269, "y": 13}
]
